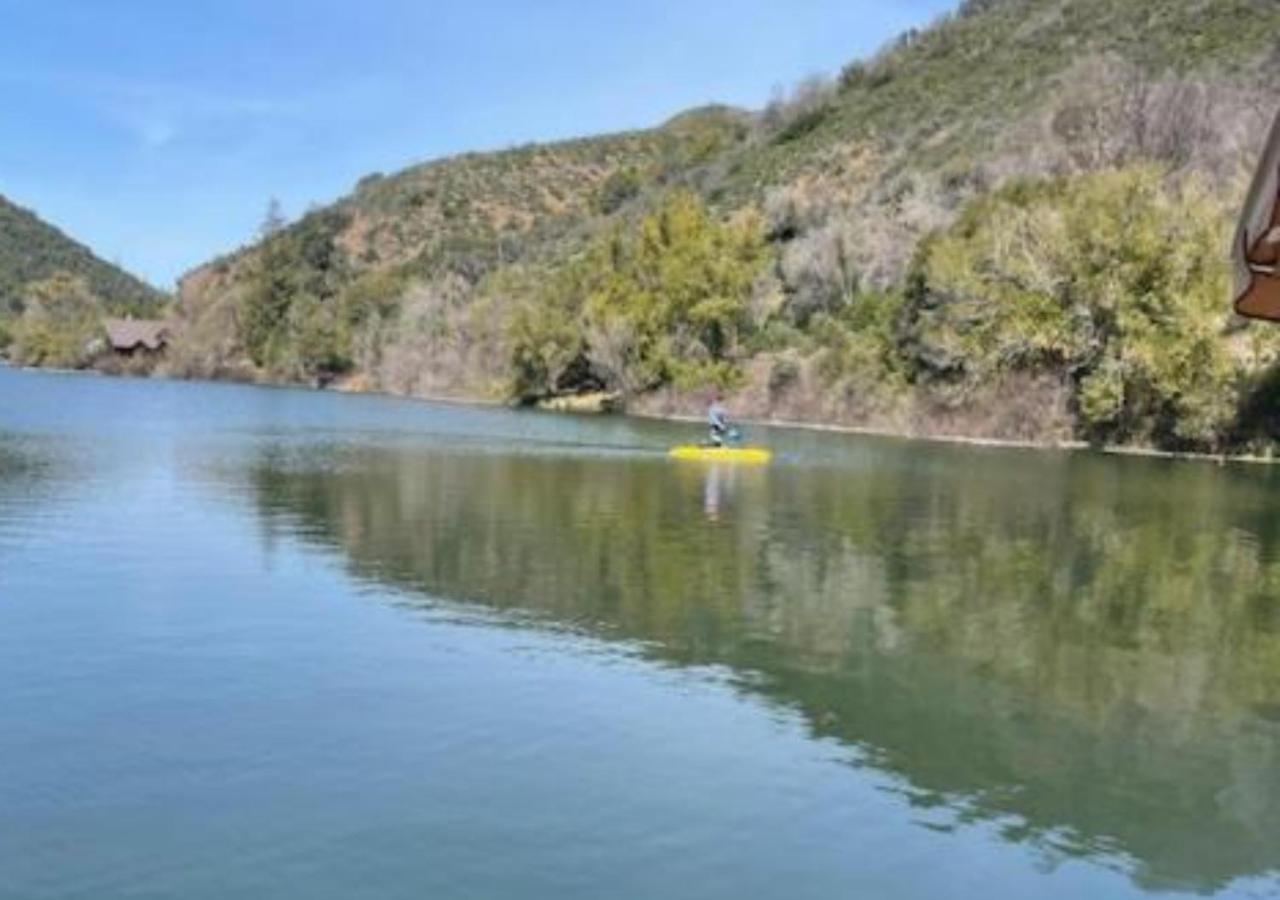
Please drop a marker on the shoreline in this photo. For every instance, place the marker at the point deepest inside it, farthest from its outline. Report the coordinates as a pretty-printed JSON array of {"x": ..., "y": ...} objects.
[
  {"x": 787, "y": 424},
  {"x": 857, "y": 430},
  {"x": 961, "y": 440}
]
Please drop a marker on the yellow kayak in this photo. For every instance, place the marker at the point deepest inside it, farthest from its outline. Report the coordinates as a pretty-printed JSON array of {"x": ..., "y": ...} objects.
[{"x": 748, "y": 455}]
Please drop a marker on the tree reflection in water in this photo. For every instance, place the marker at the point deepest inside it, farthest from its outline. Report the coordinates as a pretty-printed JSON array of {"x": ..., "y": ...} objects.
[{"x": 1083, "y": 650}]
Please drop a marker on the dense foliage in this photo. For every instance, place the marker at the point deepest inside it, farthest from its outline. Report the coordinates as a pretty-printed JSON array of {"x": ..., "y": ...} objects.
[
  {"x": 292, "y": 318},
  {"x": 60, "y": 324},
  {"x": 1114, "y": 282},
  {"x": 665, "y": 301}
]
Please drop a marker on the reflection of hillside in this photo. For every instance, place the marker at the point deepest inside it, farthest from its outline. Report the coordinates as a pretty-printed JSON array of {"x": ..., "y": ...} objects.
[
  {"x": 21, "y": 468},
  {"x": 1092, "y": 659},
  {"x": 13, "y": 462}
]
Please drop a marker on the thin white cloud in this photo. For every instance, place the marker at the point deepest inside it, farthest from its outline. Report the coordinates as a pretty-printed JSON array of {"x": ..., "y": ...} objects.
[
  {"x": 157, "y": 133},
  {"x": 157, "y": 113}
]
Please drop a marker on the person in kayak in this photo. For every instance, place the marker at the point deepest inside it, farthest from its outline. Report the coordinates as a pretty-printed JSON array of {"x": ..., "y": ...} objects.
[{"x": 718, "y": 420}]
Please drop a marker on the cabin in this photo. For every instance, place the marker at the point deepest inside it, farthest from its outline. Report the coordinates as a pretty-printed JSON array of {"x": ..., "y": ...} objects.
[{"x": 136, "y": 337}]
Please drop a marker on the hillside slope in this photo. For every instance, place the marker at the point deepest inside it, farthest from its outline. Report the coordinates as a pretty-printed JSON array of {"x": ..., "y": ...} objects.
[
  {"x": 32, "y": 250},
  {"x": 829, "y": 257},
  {"x": 942, "y": 99},
  {"x": 460, "y": 218}
]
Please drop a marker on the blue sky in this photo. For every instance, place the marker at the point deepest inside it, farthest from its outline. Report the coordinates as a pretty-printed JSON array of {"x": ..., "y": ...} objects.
[{"x": 156, "y": 130}]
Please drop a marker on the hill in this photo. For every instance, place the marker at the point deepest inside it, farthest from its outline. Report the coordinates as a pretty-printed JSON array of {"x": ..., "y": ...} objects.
[
  {"x": 451, "y": 221},
  {"x": 54, "y": 293},
  {"x": 32, "y": 250},
  {"x": 910, "y": 245},
  {"x": 943, "y": 99}
]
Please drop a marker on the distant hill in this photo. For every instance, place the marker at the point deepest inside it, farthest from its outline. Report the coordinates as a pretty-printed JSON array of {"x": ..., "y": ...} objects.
[
  {"x": 830, "y": 256},
  {"x": 32, "y": 250},
  {"x": 469, "y": 214}
]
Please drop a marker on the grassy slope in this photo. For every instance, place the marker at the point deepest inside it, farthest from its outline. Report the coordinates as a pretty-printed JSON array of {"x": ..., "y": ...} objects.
[{"x": 32, "y": 250}]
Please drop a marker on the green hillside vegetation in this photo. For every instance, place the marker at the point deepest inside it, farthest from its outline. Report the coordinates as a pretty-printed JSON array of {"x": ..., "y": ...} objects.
[
  {"x": 59, "y": 326},
  {"x": 49, "y": 283},
  {"x": 1114, "y": 281},
  {"x": 941, "y": 99},
  {"x": 663, "y": 302},
  {"x": 458, "y": 219},
  {"x": 1010, "y": 224}
]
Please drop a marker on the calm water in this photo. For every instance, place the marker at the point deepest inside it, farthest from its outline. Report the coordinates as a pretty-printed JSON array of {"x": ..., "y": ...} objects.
[{"x": 263, "y": 643}]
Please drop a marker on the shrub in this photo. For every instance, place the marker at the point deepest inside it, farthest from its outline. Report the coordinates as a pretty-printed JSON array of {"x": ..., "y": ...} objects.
[
  {"x": 792, "y": 115},
  {"x": 60, "y": 324},
  {"x": 853, "y": 76},
  {"x": 820, "y": 273},
  {"x": 1113, "y": 279},
  {"x": 616, "y": 190}
]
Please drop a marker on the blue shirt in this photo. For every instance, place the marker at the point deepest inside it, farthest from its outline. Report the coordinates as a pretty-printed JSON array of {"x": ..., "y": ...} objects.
[{"x": 717, "y": 417}]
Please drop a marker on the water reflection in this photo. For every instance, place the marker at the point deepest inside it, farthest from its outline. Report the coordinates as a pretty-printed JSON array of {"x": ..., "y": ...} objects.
[
  {"x": 719, "y": 483},
  {"x": 1083, "y": 651},
  {"x": 24, "y": 466}
]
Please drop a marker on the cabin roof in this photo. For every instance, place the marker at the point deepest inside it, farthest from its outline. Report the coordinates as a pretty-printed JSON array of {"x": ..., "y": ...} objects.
[{"x": 130, "y": 334}]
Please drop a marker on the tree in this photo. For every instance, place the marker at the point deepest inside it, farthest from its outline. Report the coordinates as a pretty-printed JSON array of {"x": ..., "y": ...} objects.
[
  {"x": 661, "y": 301},
  {"x": 60, "y": 324},
  {"x": 265, "y": 302},
  {"x": 1112, "y": 279},
  {"x": 273, "y": 220},
  {"x": 301, "y": 261},
  {"x": 617, "y": 190}
]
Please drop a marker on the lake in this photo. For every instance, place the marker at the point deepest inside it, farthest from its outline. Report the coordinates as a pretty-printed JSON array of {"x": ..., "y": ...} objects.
[{"x": 272, "y": 643}]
